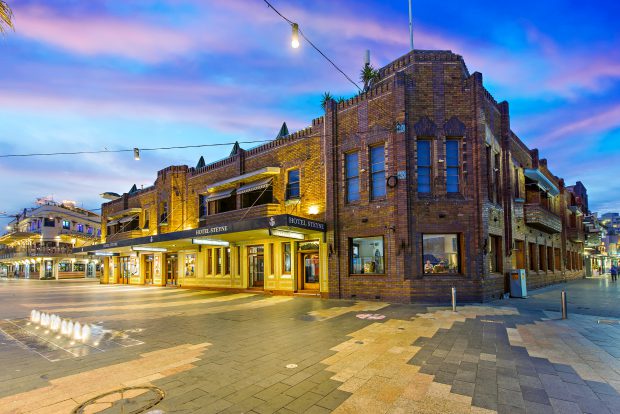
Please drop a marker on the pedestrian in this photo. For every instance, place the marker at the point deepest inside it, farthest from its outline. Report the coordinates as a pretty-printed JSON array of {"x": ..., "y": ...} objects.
[{"x": 614, "y": 272}]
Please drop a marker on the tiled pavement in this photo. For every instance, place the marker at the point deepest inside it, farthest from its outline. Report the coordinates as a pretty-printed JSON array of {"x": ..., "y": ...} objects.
[{"x": 219, "y": 352}]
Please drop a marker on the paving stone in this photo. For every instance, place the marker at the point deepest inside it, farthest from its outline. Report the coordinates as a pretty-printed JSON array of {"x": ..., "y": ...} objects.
[
  {"x": 536, "y": 408},
  {"x": 565, "y": 407},
  {"x": 463, "y": 388},
  {"x": 510, "y": 397},
  {"x": 488, "y": 401},
  {"x": 537, "y": 395}
]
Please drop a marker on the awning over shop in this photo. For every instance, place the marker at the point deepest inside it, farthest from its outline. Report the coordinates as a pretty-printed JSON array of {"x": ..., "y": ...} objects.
[
  {"x": 256, "y": 185},
  {"x": 576, "y": 210},
  {"x": 541, "y": 179},
  {"x": 16, "y": 236},
  {"x": 112, "y": 223},
  {"x": 128, "y": 219},
  {"x": 220, "y": 195},
  {"x": 252, "y": 175},
  {"x": 127, "y": 212}
]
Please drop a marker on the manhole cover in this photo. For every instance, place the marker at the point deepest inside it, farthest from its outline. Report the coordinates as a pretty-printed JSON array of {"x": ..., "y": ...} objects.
[{"x": 128, "y": 400}]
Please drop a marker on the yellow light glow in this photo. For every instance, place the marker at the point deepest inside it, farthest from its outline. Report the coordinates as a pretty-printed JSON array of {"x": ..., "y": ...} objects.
[
  {"x": 313, "y": 210},
  {"x": 295, "y": 36}
]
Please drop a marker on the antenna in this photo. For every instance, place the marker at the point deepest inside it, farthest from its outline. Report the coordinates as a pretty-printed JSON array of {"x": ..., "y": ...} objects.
[{"x": 367, "y": 57}]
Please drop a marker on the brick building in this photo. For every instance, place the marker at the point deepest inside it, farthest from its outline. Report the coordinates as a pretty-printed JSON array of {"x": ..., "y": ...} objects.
[{"x": 416, "y": 186}]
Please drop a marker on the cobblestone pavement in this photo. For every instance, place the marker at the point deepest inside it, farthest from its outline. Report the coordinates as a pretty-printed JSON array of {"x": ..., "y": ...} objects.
[{"x": 243, "y": 352}]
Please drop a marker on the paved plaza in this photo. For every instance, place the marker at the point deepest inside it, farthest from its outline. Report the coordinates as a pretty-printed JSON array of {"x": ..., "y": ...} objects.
[{"x": 208, "y": 352}]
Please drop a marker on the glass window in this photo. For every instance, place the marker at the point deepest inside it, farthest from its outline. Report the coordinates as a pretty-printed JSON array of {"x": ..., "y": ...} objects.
[
  {"x": 190, "y": 265},
  {"x": 550, "y": 261},
  {"x": 64, "y": 267},
  {"x": 286, "y": 257},
  {"x": 227, "y": 261},
  {"x": 89, "y": 230},
  {"x": 367, "y": 255},
  {"x": 66, "y": 225},
  {"x": 351, "y": 166},
  {"x": 202, "y": 206},
  {"x": 377, "y": 172},
  {"x": 441, "y": 253},
  {"x": 292, "y": 184},
  {"x": 79, "y": 267},
  {"x": 424, "y": 166},
  {"x": 452, "y": 166},
  {"x": 495, "y": 254},
  {"x": 490, "y": 191},
  {"x": 533, "y": 263},
  {"x": 147, "y": 219},
  {"x": 210, "y": 261},
  {"x": 238, "y": 261},
  {"x": 497, "y": 179},
  {"x": 80, "y": 228},
  {"x": 218, "y": 261},
  {"x": 163, "y": 218},
  {"x": 49, "y": 222}
]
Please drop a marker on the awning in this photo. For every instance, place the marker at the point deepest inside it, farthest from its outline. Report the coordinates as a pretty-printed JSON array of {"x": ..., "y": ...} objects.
[
  {"x": 259, "y": 174},
  {"x": 541, "y": 179},
  {"x": 220, "y": 195},
  {"x": 256, "y": 185},
  {"x": 128, "y": 219},
  {"x": 111, "y": 223}
]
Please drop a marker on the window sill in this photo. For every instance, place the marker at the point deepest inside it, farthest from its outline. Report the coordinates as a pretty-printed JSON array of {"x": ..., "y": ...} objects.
[
  {"x": 292, "y": 200},
  {"x": 378, "y": 199},
  {"x": 366, "y": 274},
  {"x": 456, "y": 275}
]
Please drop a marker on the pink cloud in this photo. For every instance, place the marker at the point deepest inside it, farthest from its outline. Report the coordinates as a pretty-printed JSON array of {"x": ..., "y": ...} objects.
[
  {"x": 102, "y": 35},
  {"x": 599, "y": 122}
]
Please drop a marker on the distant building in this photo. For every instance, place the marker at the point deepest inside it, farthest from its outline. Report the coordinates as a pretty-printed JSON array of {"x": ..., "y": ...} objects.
[
  {"x": 397, "y": 194},
  {"x": 39, "y": 243}
]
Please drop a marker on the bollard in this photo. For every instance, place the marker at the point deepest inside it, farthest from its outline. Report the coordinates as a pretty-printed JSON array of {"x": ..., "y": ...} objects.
[
  {"x": 453, "y": 299},
  {"x": 564, "y": 308}
]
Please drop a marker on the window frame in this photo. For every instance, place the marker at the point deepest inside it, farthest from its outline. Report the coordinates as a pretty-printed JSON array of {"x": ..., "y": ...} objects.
[
  {"x": 380, "y": 172},
  {"x": 290, "y": 184},
  {"x": 66, "y": 225},
  {"x": 348, "y": 179},
  {"x": 459, "y": 239},
  {"x": 290, "y": 254},
  {"x": 457, "y": 167},
  {"x": 350, "y": 256},
  {"x": 428, "y": 167}
]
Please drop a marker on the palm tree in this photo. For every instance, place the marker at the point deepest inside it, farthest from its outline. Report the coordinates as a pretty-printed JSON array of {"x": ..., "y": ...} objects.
[
  {"x": 368, "y": 75},
  {"x": 6, "y": 17},
  {"x": 325, "y": 99}
]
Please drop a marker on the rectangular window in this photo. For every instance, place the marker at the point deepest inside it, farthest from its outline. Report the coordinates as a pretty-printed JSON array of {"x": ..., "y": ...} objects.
[
  {"x": 64, "y": 267},
  {"x": 147, "y": 219},
  {"x": 66, "y": 225},
  {"x": 227, "y": 261},
  {"x": 218, "y": 261},
  {"x": 424, "y": 166},
  {"x": 238, "y": 261},
  {"x": 533, "y": 262},
  {"x": 366, "y": 256},
  {"x": 286, "y": 258},
  {"x": 452, "y": 166},
  {"x": 550, "y": 259},
  {"x": 292, "y": 184},
  {"x": 163, "y": 218},
  {"x": 497, "y": 179},
  {"x": 202, "y": 206},
  {"x": 495, "y": 254},
  {"x": 489, "y": 161},
  {"x": 190, "y": 265},
  {"x": 441, "y": 253},
  {"x": 377, "y": 172},
  {"x": 210, "y": 261},
  {"x": 89, "y": 230},
  {"x": 80, "y": 228},
  {"x": 271, "y": 260},
  {"x": 558, "y": 259},
  {"x": 352, "y": 179},
  {"x": 79, "y": 267},
  {"x": 542, "y": 262}
]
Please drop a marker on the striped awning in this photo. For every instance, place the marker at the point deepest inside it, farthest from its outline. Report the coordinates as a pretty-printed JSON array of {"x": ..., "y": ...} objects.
[
  {"x": 256, "y": 185},
  {"x": 220, "y": 195},
  {"x": 128, "y": 219}
]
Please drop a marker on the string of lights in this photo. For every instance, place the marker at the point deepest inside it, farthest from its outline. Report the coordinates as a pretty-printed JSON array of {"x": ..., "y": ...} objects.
[
  {"x": 296, "y": 29},
  {"x": 105, "y": 151}
]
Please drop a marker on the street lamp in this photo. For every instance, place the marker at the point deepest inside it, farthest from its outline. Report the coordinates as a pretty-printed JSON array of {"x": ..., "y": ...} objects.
[{"x": 295, "y": 35}]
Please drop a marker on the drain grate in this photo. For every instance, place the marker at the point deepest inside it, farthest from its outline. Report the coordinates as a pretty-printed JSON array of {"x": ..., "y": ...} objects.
[
  {"x": 129, "y": 400},
  {"x": 608, "y": 322}
]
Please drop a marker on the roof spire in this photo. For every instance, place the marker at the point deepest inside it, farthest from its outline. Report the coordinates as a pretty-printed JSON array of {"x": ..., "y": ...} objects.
[
  {"x": 201, "y": 163},
  {"x": 283, "y": 131},
  {"x": 235, "y": 149},
  {"x": 134, "y": 189}
]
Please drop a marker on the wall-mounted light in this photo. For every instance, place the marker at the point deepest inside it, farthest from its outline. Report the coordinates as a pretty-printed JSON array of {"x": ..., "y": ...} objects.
[
  {"x": 136, "y": 154},
  {"x": 295, "y": 36},
  {"x": 313, "y": 210},
  {"x": 211, "y": 242}
]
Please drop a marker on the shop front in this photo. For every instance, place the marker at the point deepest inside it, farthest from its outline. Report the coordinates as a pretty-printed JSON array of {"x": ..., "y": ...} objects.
[{"x": 280, "y": 254}]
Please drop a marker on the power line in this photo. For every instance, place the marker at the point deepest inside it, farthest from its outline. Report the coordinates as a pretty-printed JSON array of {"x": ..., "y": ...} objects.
[
  {"x": 45, "y": 154},
  {"x": 314, "y": 46}
]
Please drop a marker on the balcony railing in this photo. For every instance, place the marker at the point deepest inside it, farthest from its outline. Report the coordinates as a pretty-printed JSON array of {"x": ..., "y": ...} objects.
[
  {"x": 576, "y": 234},
  {"x": 79, "y": 234},
  {"x": 540, "y": 218},
  {"x": 124, "y": 235},
  {"x": 263, "y": 210},
  {"x": 35, "y": 252}
]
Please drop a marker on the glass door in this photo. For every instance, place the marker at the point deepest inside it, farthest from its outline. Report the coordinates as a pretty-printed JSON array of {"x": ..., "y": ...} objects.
[
  {"x": 256, "y": 266},
  {"x": 171, "y": 269},
  {"x": 148, "y": 269},
  {"x": 309, "y": 267}
]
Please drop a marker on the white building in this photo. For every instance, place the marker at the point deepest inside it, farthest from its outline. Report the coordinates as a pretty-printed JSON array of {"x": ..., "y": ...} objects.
[{"x": 39, "y": 242}]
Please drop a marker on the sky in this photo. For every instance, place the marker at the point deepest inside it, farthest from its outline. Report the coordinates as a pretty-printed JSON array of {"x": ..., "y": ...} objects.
[{"x": 108, "y": 75}]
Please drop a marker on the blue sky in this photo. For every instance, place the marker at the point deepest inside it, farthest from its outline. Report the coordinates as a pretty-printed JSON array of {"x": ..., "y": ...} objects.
[{"x": 94, "y": 75}]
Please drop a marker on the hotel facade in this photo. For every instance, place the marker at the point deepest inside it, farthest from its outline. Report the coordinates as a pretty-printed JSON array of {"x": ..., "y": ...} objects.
[{"x": 397, "y": 194}]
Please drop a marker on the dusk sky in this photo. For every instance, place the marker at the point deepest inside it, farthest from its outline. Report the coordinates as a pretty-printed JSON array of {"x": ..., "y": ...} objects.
[{"x": 94, "y": 75}]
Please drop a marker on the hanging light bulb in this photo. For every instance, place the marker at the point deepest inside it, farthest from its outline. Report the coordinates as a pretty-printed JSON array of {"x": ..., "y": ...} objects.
[
  {"x": 136, "y": 154},
  {"x": 295, "y": 36}
]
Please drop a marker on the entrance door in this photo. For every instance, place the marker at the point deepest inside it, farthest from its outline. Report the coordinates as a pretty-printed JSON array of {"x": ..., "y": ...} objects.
[
  {"x": 309, "y": 270},
  {"x": 171, "y": 269},
  {"x": 256, "y": 266},
  {"x": 148, "y": 269},
  {"x": 125, "y": 274}
]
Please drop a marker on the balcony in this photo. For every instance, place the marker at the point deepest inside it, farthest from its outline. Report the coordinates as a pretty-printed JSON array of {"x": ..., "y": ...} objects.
[
  {"x": 263, "y": 210},
  {"x": 34, "y": 251},
  {"x": 576, "y": 234},
  {"x": 79, "y": 234},
  {"x": 124, "y": 235},
  {"x": 540, "y": 218}
]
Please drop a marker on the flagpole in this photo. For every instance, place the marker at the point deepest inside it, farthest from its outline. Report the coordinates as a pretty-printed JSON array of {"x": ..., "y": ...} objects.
[{"x": 410, "y": 26}]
